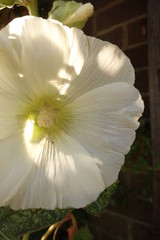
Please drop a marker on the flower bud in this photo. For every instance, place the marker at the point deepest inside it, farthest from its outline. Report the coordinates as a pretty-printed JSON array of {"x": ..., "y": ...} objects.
[{"x": 71, "y": 14}]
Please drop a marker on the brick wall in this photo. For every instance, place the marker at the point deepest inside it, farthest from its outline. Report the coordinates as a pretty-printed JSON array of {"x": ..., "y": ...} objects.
[{"x": 124, "y": 23}]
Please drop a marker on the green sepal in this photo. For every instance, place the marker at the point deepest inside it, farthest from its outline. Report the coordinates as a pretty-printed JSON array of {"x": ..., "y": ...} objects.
[
  {"x": 103, "y": 200},
  {"x": 14, "y": 224},
  {"x": 61, "y": 10}
]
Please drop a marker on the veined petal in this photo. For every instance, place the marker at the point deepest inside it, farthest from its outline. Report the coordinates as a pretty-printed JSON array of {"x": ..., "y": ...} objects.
[
  {"x": 10, "y": 61},
  {"x": 96, "y": 63},
  {"x": 37, "y": 50},
  {"x": 15, "y": 165},
  {"x": 60, "y": 57},
  {"x": 37, "y": 190},
  {"x": 66, "y": 172},
  {"x": 83, "y": 182},
  {"x": 105, "y": 120},
  {"x": 10, "y": 105},
  {"x": 48, "y": 55}
]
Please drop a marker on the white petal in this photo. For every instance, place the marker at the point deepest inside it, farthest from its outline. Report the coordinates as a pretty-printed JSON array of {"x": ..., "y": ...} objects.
[
  {"x": 11, "y": 101},
  {"x": 43, "y": 54},
  {"x": 10, "y": 68},
  {"x": 48, "y": 54},
  {"x": 38, "y": 189},
  {"x": 40, "y": 51},
  {"x": 10, "y": 106},
  {"x": 110, "y": 165},
  {"x": 105, "y": 120},
  {"x": 96, "y": 63},
  {"x": 83, "y": 182},
  {"x": 8, "y": 123},
  {"x": 15, "y": 166},
  {"x": 64, "y": 176},
  {"x": 106, "y": 107}
]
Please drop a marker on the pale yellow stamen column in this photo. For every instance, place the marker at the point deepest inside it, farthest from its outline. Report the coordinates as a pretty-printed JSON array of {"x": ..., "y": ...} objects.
[{"x": 46, "y": 118}]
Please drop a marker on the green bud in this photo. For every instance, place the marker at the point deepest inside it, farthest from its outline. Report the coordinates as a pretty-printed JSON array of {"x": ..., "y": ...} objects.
[{"x": 71, "y": 14}]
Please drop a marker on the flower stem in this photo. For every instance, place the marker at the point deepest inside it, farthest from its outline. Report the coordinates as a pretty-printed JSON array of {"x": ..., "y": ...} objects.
[
  {"x": 50, "y": 230},
  {"x": 26, "y": 236}
]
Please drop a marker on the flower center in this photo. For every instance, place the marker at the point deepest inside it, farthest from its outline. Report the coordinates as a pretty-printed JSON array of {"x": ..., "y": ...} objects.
[{"x": 46, "y": 118}]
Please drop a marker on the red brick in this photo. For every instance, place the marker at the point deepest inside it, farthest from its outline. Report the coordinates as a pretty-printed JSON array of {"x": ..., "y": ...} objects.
[
  {"x": 88, "y": 29},
  {"x": 140, "y": 181},
  {"x": 130, "y": 200},
  {"x": 141, "y": 81},
  {"x": 98, "y": 4},
  {"x": 146, "y": 113},
  {"x": 115, "y": 37},
  {"x": 141, "y": 231},
  {"x": 114, "y": 225},
  {"x": 137, "y": 209},
  {"x": 99, "y": 234},
  {"x": 137, "y": 32},
  {"x": 120, "y": 13},
  {"x": 138, "y": 56}
]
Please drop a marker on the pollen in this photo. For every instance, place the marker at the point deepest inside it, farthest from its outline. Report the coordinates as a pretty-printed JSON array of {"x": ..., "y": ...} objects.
[{"x": 46, "y": 118}]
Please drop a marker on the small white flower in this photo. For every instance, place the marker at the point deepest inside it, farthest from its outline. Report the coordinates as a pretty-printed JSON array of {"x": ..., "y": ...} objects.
[{"x": 68, "y": 114}]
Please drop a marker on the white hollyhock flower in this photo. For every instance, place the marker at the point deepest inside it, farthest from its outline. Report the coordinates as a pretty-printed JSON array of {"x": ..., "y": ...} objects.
[{"x": 68, "y": 114}]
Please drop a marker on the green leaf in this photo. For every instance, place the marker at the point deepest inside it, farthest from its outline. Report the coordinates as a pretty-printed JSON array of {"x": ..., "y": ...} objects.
[
  {"x": 14, "y": 224},
  {"x": 2, "y": 6},
  {"x": 3, "y": 237},
  {"x": 7, "y": 3},
  {"x": 102, "y": 201},
  {"x": 83, "y": 234}
]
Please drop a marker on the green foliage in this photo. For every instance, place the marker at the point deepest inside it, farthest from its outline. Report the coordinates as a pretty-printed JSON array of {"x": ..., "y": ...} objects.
[
  {"x": 138, "y": 164},
  {"x": 102, "y": 201},
  {"x": 83, "y": 234},
  {"x": 13, "y": 224},
  {"x": 122, "y": 195},
  {"x": 2, "y": 6},
  {"x": 141, "y": 153},
  {"x": 7, "y": 3}
]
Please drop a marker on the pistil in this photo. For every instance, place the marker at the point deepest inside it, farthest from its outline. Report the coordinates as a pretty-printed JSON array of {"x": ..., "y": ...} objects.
[{"x": 46, "y": 118}]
